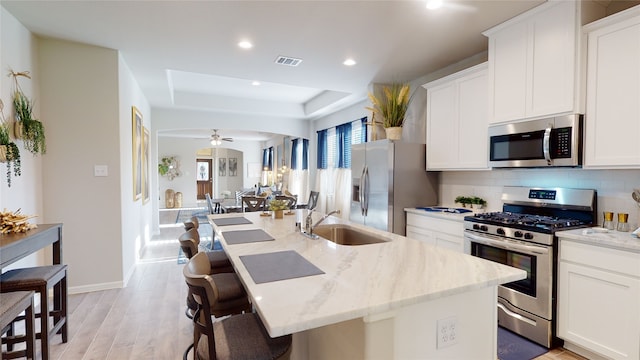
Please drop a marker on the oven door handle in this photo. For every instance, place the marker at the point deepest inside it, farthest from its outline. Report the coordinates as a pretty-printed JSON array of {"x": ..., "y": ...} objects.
[{"x": 507, "y": 244}]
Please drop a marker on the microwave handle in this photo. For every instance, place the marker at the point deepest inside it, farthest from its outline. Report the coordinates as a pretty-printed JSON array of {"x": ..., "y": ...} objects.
[{"x": 545, "y": 145}]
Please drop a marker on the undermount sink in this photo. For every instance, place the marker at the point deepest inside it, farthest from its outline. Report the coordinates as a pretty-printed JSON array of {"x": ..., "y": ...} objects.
[{"x": 347, "y": 235}]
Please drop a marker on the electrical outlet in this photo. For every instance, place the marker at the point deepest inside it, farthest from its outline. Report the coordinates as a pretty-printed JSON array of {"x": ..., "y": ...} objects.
[{"x": 447, "y": 332}]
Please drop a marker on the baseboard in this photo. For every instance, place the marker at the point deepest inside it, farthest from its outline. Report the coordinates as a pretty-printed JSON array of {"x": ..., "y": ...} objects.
[{"x": 95, "y": 287}]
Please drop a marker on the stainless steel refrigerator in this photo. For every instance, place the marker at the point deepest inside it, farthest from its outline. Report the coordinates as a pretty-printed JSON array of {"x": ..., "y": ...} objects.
[{"x": 387, "y": 177}]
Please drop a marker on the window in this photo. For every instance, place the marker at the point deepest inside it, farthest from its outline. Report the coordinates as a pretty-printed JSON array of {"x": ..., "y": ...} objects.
[{"x": 335, "y": 152}]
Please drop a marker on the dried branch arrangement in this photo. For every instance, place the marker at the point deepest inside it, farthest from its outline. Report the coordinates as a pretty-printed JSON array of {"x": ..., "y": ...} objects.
[{"x": 15, "y": 222}]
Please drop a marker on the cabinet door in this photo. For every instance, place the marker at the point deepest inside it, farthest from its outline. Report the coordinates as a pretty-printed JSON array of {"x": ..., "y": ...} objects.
[
  {"x": 442, "y": 128},
  {"x": 551, "y": 75},
  {"x": 472, "y": 122},
  {"x": 508, "y": 73},
  {"x": 451, "y": 242},
  {"x": 420, "y": 234},
  {"x": 599, "y": 310},
  {"x": 613, "y": 89}
]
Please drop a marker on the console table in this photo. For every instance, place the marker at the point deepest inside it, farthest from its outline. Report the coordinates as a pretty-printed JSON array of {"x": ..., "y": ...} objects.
[{"x": 15, "y": 246}]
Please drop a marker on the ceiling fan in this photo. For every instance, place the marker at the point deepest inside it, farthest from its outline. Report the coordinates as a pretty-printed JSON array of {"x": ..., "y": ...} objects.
[{"x": 216, "y": 139}]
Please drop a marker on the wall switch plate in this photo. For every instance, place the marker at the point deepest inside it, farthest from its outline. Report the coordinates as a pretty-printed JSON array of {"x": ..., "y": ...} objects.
[
  {"x": 100, "y": 170},
  {"x": 447, "y": 332}
]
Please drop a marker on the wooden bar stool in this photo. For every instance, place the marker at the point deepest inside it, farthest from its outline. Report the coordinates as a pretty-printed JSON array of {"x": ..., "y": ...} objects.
[
  {"x": 12, "y": 304},
  {"x": 40, "y": 279}
]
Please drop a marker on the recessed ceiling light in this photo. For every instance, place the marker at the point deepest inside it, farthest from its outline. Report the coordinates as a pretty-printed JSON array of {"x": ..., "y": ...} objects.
[
  {"x": 255, "y": 83},
  {"x": 434, "y": 4},
  {"x": 245, "y": 44},
  {"x": 349, "y": 62}
]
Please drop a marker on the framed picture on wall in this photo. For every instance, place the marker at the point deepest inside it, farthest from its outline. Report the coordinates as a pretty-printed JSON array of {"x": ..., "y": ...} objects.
[
  {"x": 145, "y": 165},
  {"x": 233, "y": 166},
  {"x": 222, "y": 167},
  {"x": 136, "y": 143}
]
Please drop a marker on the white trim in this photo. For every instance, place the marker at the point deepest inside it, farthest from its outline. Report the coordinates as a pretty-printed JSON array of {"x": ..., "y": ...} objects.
[{"x": 95, "y": 287}]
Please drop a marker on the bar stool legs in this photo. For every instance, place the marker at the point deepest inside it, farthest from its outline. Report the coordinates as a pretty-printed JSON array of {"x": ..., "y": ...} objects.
[
  {"x": 40, "y": 279},
  {"x": 11, "y": 305}
]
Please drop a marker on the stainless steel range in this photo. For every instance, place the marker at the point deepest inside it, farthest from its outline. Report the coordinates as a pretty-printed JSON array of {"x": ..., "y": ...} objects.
[{"x": 523, "y": 236}]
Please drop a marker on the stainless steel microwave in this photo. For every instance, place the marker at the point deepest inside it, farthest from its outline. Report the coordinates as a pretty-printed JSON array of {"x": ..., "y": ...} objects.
[{"x": 555, "y": 141}]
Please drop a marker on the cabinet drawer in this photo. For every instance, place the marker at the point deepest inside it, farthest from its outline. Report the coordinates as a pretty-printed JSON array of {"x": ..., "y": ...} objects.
[
  {"x": 451, "y": 227},
  {"x": 625, "y": 262}
]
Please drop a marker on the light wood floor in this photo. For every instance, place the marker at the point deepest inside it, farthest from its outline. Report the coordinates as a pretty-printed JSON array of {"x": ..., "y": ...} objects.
[{"x": 146, "y": 319}]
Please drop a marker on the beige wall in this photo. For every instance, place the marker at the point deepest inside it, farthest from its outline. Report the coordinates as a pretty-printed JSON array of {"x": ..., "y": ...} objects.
[{"x": 83, "y": 95}]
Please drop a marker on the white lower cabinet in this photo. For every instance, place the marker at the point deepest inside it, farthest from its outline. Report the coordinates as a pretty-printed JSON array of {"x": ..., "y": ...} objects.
[
  {"x": 599, "y": 299},
  {"x": 436, "y": 231}
]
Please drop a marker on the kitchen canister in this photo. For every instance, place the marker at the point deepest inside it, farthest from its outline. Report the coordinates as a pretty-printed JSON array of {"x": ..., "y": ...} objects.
[{"x": 623, "y": 225}]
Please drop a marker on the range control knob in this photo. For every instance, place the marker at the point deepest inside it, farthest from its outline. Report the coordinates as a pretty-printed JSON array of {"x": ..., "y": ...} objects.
[
  {"x": 500, "y": 231},
  {"x": 476, "y": 227},
  {"x": 528, "y": 236},
  {"x": 484, "y": 228},
  {"x": 518, "y": 234}
]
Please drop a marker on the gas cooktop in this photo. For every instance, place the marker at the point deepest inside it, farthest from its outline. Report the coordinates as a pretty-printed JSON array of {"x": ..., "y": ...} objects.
[{"x": 526, "y": 221}]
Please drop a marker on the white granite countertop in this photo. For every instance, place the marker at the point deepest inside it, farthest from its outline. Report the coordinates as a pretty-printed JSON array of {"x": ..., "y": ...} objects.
[
  {"x": 603, "y": 237},
  {"x": 359, "y": 280},
  {"x": 440, "y": 215}
]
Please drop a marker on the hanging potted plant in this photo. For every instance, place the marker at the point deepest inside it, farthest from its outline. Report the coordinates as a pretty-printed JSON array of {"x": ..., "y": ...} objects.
[
  {"x": 391, "y": 105},
  {"x": 30, "y": 130},
  {"x": 9, "y": 152}
]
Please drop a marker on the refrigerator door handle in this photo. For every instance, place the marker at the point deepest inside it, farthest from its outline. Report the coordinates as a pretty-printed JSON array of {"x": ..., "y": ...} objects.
[
  {"x": 366, "y": 189},
  {"x": 361, "y": 192}
]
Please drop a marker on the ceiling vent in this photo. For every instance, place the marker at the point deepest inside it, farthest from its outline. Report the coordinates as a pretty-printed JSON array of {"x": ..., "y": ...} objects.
[{"x": 289, "y": 61}]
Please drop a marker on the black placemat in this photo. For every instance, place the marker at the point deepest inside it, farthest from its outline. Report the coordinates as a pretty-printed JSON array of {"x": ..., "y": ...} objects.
[
  {"x": 276, "y": 266},
  {"x": 232, "y": 221},
  {"x": 246, "y": 236}
]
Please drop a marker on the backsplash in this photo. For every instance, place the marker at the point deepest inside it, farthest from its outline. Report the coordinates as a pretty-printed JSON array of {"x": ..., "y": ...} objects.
[{"x": 614, "y": 187}]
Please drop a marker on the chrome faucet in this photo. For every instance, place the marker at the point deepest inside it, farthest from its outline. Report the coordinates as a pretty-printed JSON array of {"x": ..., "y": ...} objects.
[{"x": 308, "y": 228}]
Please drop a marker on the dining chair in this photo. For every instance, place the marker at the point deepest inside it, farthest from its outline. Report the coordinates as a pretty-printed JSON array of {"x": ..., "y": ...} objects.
[
  {"x": 236, "y": 337},
  {"x": 291, "y": 200},
  {"x": 210, "y": 203},
  {"x": 313, "y": 200},
  {"x": 191, "y": 223},
  {"x": 218, "y": 261},
  {"x": 253, "y": 203}
]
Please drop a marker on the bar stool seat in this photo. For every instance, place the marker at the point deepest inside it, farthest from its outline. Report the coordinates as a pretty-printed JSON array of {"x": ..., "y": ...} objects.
[
  {"x": 40, "y": 279},
  {"x": 12, "y": 304}
]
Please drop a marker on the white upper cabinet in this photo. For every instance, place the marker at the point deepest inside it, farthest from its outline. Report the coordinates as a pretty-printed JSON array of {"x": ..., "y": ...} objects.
[
  {"x": 612, "y": 134},
  {"x": 457, "y": 121},
  {"x": 534, "y": 62}
]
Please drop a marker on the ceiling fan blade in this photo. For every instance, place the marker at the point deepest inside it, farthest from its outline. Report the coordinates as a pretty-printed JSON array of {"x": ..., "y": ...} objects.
[{"x": 227, "y": 139}]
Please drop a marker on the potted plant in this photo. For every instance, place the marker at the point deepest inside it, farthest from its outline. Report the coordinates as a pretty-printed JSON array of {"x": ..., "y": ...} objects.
[
  {"x": 278, "y": 207},
  {"x": 9, "y": 151},
  {"x": 464, "y": 200},
  {"x": 478, "y": 202},
  {"x": 391, "y": 105},
  {"x": 30, "y": 130}
]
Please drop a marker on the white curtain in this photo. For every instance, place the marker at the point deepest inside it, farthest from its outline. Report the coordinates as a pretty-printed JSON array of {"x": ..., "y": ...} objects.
[
  {"x": 299, "y": 184},
  {"x": 334, "y": 186}
]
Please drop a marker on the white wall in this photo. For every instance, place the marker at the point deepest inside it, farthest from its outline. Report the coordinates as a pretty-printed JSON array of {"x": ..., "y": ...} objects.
[{"x": 18, "y": 52}]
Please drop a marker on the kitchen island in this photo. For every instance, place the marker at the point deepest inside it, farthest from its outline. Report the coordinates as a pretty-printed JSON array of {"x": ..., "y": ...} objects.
[{"x": 377, "y": 301}]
